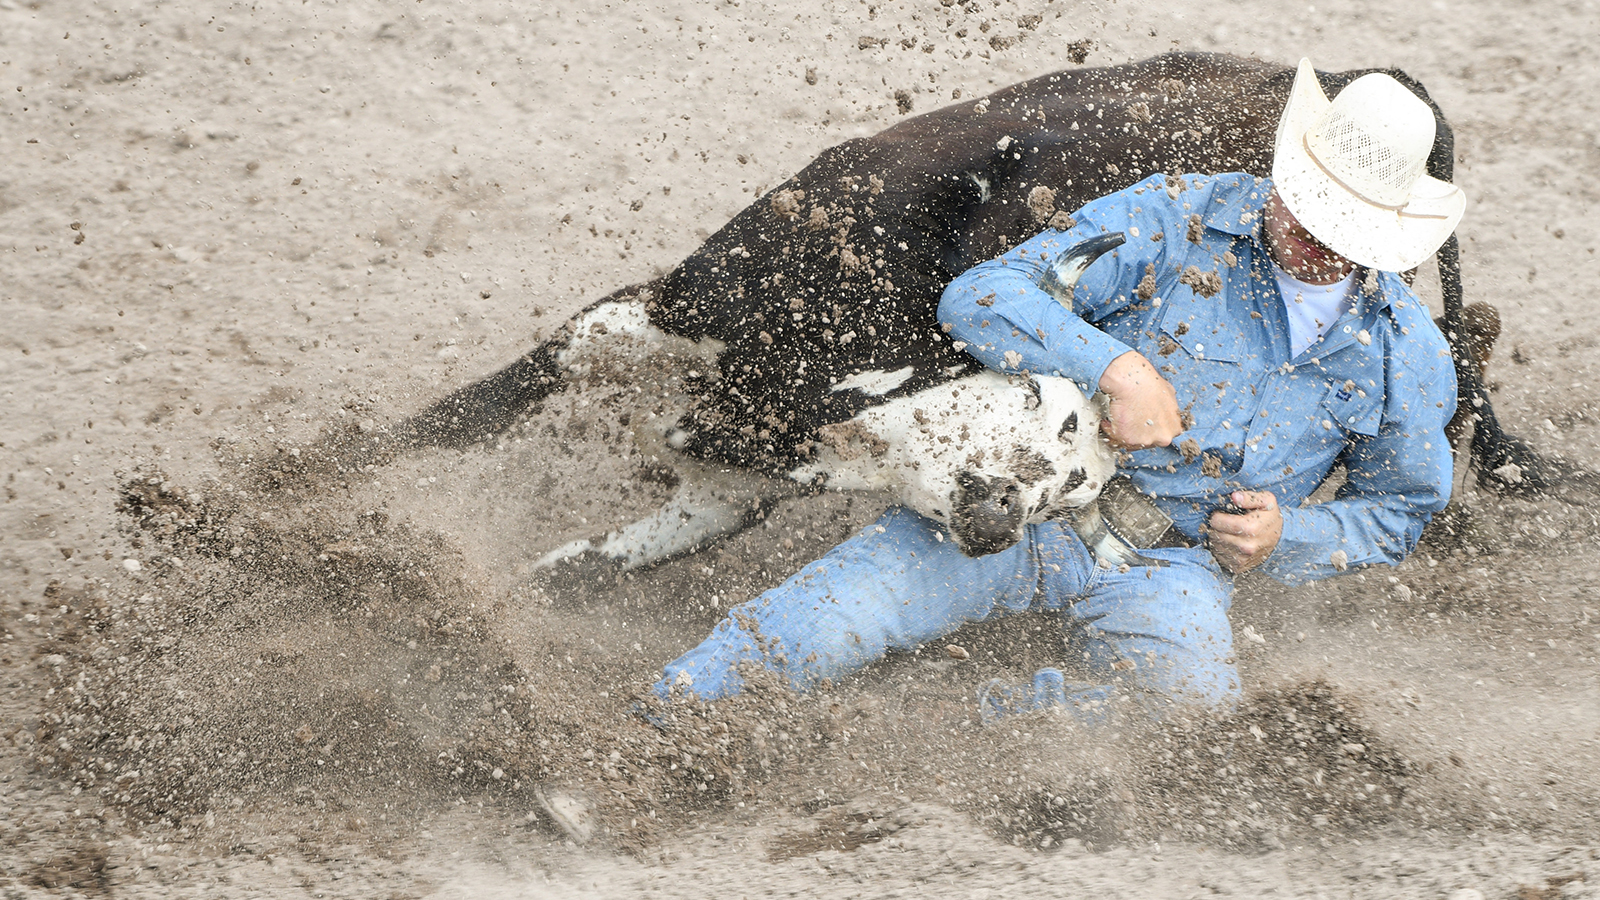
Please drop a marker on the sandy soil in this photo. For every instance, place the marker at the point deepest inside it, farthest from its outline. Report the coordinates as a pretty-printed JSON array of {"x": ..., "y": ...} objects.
[{"x": 227, "y": 228}]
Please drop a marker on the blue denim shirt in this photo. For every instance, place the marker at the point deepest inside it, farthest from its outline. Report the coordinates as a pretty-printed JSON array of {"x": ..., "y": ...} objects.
[{"x": 1374, "y": 393}]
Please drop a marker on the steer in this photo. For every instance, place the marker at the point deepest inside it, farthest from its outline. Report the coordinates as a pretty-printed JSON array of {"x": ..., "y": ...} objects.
[
  {"x": 833, "y": 278},
  {"x": 982, "y": 453}
]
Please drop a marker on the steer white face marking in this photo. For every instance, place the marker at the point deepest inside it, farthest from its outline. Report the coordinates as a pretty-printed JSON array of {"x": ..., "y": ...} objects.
[
  {"x": 984, "y": 455},
  {"x": 874, "y": 382},
  {"x": 983, "y": 186}
]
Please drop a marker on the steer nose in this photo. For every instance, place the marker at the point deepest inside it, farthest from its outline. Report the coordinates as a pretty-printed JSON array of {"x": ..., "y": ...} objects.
[{"x": 987, "y": 513}]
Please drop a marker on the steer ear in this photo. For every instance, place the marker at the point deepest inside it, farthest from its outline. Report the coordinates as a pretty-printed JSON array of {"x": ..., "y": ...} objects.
[{"x": 1035, "y": 394}]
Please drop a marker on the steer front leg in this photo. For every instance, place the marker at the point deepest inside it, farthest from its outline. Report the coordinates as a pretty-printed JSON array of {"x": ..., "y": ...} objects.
[{"x": 697, "y": 515}]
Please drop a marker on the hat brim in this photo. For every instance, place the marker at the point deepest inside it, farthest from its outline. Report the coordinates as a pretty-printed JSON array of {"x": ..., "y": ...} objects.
[{"x": 1391, "y": 240}]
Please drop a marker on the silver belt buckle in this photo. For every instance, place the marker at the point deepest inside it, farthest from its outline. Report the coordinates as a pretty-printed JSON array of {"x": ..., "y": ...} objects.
[
  {"x": 1131, "y": 515},
  {"x": 1120, "y": 523}
]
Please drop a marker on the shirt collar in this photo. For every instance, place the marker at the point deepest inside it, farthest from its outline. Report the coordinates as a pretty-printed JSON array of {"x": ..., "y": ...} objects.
[{"x": 1236, "y": 204}]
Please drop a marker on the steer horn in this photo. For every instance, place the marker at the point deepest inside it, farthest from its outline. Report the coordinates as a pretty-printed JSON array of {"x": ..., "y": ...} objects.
[{"x": 1061, "y": 275}]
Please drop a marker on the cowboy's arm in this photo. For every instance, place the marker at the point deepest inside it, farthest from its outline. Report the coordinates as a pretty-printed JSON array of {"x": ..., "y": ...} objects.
[
  {"x": 1397, "y": 480},
  {"x": 998, "y": 313}
]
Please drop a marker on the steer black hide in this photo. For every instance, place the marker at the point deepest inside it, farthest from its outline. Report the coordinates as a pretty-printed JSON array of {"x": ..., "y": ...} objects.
[{"x": 840, "y": 268}]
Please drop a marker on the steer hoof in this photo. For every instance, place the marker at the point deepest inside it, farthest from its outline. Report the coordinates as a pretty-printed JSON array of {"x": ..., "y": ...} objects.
[
  {"x": 572, "y": 570},
  {"x": 1510, "y": 465}
]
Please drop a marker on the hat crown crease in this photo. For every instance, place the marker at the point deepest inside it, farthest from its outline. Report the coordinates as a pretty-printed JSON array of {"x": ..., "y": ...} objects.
[{"x": 1375, "y": 138}]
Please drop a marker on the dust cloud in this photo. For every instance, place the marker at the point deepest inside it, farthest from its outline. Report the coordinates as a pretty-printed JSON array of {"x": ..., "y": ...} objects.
[{"x": 234, "y": 666}]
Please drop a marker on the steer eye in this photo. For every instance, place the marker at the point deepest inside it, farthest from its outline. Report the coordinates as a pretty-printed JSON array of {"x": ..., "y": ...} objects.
[{"x": 1069, "y": 427}]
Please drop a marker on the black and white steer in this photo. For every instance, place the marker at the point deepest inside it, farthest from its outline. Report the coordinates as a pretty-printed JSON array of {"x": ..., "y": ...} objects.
[
  {"x": 982, "y": 453},
  {"x": 812, "y": 313}
]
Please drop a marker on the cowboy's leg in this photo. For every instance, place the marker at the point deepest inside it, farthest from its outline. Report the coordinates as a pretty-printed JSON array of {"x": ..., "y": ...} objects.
[
  {"x": 892, "y": 586},
  {"x": 1157, "y": 635}
]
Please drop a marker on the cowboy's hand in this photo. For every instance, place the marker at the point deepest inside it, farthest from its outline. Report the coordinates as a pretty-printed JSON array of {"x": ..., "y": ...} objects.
[
  {"x": 1242, "y": 541},
  {"x": 1143, "y": 408}
]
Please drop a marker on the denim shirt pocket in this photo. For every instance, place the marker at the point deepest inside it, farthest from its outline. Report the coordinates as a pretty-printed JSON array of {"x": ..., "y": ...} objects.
[
  {"x": 1352, "y": 410},
  {"x": 1305, "y": 425},
  {"x": 1203, "y": 328},
  {"x": 1201, "y": 352}
]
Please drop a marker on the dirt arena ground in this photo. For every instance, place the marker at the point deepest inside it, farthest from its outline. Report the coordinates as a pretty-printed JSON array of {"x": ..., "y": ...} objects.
[{"x": 227, "y": 228}]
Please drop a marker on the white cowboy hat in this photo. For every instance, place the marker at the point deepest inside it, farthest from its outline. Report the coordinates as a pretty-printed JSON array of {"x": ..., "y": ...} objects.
[{"x": 1353, "y": 171}]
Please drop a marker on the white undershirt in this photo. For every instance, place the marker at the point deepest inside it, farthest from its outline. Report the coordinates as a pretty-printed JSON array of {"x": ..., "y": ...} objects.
[{"x": 1312, "y": 308}]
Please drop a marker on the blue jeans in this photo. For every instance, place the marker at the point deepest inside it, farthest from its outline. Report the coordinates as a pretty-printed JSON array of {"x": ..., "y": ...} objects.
[{"x": 1159, "y": 633}]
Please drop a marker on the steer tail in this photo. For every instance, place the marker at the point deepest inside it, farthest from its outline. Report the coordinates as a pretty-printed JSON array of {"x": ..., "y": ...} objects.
[
  {"x": 483, "y": 410},
  {"x": 478, "y": 412}
]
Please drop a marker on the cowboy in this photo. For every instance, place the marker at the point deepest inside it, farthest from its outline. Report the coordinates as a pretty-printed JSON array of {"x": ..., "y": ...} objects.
[{"x": 1248, "y": 337}]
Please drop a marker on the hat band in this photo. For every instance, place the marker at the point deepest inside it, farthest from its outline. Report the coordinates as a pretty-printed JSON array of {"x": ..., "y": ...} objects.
[
  {"x": 1305, "y": 141},
  {"x": 1397, "y": 210}
]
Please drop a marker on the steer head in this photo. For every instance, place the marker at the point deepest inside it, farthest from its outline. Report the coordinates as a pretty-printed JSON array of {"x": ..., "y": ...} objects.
[
  {"x": 1035, "y": 453},
  {"x": 984, "y": 455}
]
